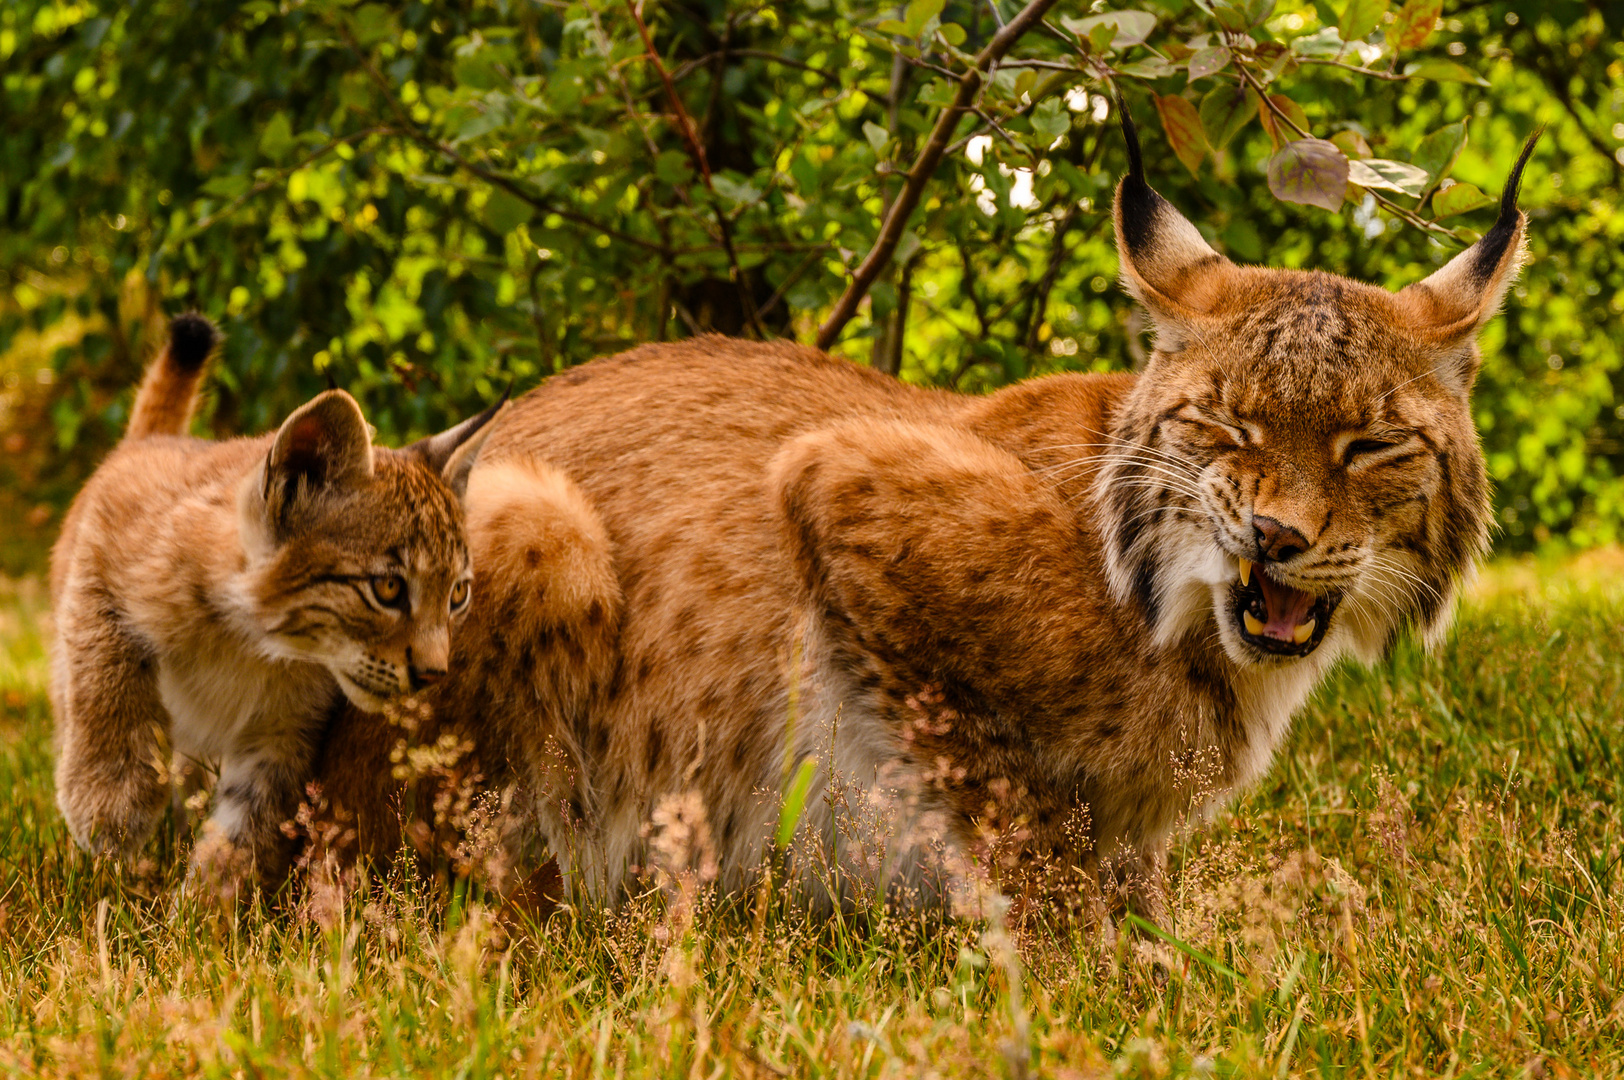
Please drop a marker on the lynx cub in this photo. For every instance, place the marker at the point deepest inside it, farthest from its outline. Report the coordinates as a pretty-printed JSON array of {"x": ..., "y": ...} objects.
[{"x": 213, "y": 599}]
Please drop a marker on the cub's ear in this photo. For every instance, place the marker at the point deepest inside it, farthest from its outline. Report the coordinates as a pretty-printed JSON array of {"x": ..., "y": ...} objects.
[
  {"x": 1448, "y": 308},
  {"x": 452, "y": 453},
  {"x": 1166, "y": 264},
  {"x": 326, "y": 443}
]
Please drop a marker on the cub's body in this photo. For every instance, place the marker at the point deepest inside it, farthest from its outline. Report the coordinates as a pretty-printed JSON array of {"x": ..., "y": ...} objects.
[{"x": 215, "y": 601}]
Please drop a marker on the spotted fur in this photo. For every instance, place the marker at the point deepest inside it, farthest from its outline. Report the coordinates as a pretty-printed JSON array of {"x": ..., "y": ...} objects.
[
  {"x": 1010, "y": 614},
  {"x": 214, "y": 601}
]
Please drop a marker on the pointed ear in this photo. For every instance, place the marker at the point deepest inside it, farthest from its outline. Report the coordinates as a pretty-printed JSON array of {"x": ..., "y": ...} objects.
[
  {"x": 453, "y": 452},
  {"x": 325, "y": 444},
  {"x": 1166, "y": 264},
  {"x": 1448, "y": 308}
]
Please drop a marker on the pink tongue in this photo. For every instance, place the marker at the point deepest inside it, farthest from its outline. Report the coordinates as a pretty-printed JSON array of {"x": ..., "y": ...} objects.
[{"x": 1287, "y": 607}]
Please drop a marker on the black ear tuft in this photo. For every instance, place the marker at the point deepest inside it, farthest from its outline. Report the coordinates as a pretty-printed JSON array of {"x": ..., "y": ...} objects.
[
  {"x": 192, "y": 337},
  {"x": 1138, "y": 201},
  {"x": 1130, "y": 135},
  {"x": 1493, "y": 245}
]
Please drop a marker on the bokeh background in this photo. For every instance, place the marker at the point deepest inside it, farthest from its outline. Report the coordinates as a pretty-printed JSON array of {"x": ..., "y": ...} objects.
[{"x": 423, "y": 202}]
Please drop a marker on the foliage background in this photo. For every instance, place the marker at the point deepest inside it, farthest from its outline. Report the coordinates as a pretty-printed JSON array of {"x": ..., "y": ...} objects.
[{"x": 421, "y": 202}]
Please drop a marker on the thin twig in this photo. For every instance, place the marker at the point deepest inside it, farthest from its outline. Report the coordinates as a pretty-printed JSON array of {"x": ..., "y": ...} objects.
[
  {"x": 924, "y": 166},
  {"x": 1386, "y": 76},
  {"x": 690, "y": 135}
]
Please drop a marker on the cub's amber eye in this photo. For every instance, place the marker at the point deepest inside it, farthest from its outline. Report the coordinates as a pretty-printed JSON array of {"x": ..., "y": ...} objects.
[
  {"x": 459, "y": 595},
  {"x": 390, "y": 589}
]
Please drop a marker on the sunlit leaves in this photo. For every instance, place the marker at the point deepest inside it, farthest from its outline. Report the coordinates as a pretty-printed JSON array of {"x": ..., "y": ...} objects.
[
  {"x": 1396, "y": 176},
  {"x": 1440, "y": 69},
  {"x": 1458, "y": 199},
  {"x": 1438, "y": 152},
  {"x": 1360, "y": 17},
  {"x": 1128, "y": 27},
  {"x": 1309, "y": 171}
]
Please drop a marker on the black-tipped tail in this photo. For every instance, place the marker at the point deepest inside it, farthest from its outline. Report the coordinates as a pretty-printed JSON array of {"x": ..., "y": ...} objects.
[{"x": 163, "y": 405}]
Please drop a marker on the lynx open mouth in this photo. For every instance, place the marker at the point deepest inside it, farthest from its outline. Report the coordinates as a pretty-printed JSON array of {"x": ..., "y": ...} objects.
[{"x": 1276, "y": 618}]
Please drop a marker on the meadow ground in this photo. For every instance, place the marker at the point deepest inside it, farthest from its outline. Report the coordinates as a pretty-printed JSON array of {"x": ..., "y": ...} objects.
[{"x": 1428, "y": 882}]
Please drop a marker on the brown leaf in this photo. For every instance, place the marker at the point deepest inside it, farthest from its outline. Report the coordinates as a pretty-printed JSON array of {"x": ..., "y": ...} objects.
[
  {"x": 1183, "y": 126},
  {"x": 1413, "y": 24}
]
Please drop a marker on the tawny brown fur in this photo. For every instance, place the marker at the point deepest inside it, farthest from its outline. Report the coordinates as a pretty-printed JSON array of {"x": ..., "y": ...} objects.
[
  {"x": 1023, "y": 610},
  {"x": 211, "y": 600}
]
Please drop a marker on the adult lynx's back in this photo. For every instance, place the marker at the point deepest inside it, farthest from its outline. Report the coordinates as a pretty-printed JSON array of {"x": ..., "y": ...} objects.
[{"x": 1079, "y": 609}]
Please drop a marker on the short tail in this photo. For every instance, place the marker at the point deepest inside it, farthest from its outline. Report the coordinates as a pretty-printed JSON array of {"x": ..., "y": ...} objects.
[{"x": 163, "y": 405}]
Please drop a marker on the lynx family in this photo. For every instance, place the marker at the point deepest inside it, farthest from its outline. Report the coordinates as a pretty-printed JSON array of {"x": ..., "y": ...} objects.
[
  {"x": 212, "y": 599},
  {"x": 1083, "y": 608}
]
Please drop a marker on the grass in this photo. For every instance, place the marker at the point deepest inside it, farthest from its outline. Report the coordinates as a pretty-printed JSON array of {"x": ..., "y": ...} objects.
[{"x": 1429, "y": 882}]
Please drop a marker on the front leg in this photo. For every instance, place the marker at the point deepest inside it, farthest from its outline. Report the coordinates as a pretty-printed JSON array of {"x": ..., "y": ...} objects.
[
  {"x": 262, "y": 780},
  {"x": 112, "y": 769}
]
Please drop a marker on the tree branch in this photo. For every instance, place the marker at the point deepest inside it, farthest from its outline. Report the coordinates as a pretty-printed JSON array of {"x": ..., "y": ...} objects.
[{"x": 924, "y": 166}]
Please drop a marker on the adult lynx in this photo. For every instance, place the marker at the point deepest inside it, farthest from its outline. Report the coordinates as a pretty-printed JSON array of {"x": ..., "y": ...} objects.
[
  {"x": 1084, "y": 606},
  {"x": 214, "y": 599}
]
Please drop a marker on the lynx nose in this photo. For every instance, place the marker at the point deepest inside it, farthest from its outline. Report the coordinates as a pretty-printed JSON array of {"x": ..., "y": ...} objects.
[
  {"x": 1277, "y": 542},
  {"x": 426, "y": 670}
]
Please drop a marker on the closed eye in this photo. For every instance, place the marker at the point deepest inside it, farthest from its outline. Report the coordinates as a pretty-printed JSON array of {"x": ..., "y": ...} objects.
[
  {"x": 1370, "y": 451},
  {"x": 1229, "y": 430}
]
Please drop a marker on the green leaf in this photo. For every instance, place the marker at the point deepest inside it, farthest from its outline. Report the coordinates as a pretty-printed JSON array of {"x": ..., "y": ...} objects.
[
  {"x": 1397, "y": 176},
  {"x": 1441, "y": 70},
  {"x": 952, "y": 33},
  {"x": 876, "y": 135},
  {"x": 1458, "y": 199},
  {"x": 795, "y": 801},
  {"x": 938, "y": 94},
  {"x": 1151, "y": 67},
  {"x": 919, "y": 13},
  {"x": 1309, "y": 171},
  {"x": 1208, "y": 61},
  {"x": 1050, "y": 120},
  {"x": 673, "y": 167},
  {"x": 1360, "y": 17},
  {"x": 505, "y": 211},
  {"x": 1132, "y": 27},
  {"x": 1183, "y": 126},
  {"x": 1100, "y": 37},
  {"x": 1413, "y": 24},
  {"x": 1240, "y": 16},
  {"x": 1439, "y": 150},
  {"x": 225, "y": 185},
  {"x": 276, "y": 139},
  {"x": 1225, "y": 110},
  {"x": 374, "y": 23},
  {"x": 892, "y": 26}
]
